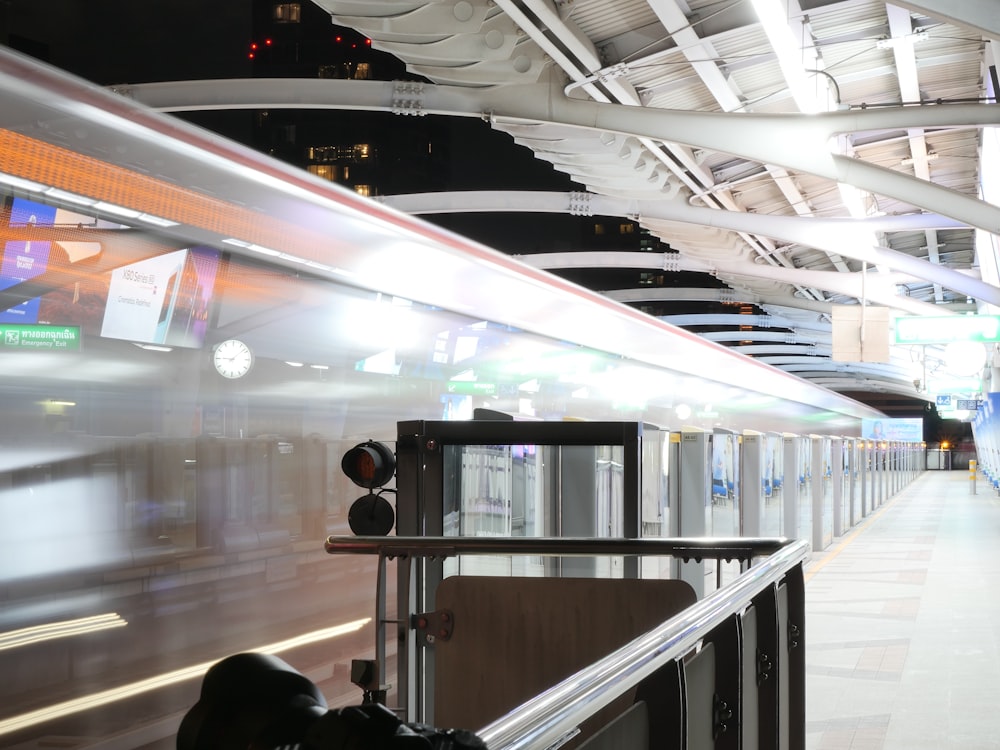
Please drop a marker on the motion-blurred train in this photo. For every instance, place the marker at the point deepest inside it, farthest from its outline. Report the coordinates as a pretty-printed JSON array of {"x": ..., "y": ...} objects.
[{"x": 195, "y": 334}]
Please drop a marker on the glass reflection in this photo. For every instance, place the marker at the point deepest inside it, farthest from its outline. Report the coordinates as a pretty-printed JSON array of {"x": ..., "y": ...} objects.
[{"x": 138, "y": 478}]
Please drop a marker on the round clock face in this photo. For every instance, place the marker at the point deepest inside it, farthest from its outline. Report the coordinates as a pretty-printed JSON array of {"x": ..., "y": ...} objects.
[{"x": 232, "y": 359}]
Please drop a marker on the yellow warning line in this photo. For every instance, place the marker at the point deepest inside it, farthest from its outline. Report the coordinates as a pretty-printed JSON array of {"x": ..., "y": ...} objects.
[
  {"x": 832, "y": 552},
  {"x": 848, "y": 538}
]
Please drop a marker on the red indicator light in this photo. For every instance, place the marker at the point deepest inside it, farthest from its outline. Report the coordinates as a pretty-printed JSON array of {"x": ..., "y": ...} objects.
[
  {"x": 267, "y": 42},
  {"x": 369, "y": 464},
  {"x": 338, "y": 39},
  {"x": 368, "y": 42},
  {"x": 251, "y": 55},
  {"x": 365, "y": 467},
  {"x": 253, "y": 45}
]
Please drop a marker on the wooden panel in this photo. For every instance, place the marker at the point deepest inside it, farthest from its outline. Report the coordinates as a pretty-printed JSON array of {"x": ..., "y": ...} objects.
[{"x": 515, "y": 637}]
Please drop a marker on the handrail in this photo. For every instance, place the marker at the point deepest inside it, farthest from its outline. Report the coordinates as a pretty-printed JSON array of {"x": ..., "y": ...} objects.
[
  {"x": 556, "y": 713},
  {"x": 693, "y": 548}
]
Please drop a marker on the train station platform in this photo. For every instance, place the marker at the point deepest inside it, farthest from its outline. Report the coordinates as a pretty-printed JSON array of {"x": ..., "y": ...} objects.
[{"x": 903, "y": 624}]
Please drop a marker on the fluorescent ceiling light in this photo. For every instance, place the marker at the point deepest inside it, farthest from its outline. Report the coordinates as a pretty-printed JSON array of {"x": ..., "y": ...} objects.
[
  {"x": 63, "y": 195},
  {"x": 111, "y": 208},
  {"x": 154, "y": 347},
  {"x": 21, "y": 183},
  {"x": 158, "y": 221},
  {"x": 810, "y": 94}
]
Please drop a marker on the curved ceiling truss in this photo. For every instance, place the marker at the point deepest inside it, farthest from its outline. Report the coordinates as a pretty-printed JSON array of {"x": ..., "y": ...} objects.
[{"x": 804, "y": 157}]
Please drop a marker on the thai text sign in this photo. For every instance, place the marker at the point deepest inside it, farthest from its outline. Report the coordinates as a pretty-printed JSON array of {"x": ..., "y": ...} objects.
[{"x": 61, "y": 338}]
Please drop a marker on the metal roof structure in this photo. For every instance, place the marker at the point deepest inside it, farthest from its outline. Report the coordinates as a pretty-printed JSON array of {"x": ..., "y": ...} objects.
[{"x": 811, "y": 155}]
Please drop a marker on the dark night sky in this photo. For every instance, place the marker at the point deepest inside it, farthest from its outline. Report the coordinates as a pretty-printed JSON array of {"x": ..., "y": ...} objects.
[{"x": 137, "y": 41}]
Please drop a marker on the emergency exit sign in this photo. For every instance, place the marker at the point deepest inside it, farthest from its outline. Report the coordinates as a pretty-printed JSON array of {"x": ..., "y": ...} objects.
[{"x": 39, "y": 337}]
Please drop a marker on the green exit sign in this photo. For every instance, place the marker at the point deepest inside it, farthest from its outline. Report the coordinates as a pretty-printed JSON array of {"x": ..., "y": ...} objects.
[
  {"x": 39, "y": 337},
  {"x": 979, "y": 328}
]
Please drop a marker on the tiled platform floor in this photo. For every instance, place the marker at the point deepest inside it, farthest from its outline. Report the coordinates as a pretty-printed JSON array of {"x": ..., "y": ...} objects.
[{"x": 903, "y": 624}]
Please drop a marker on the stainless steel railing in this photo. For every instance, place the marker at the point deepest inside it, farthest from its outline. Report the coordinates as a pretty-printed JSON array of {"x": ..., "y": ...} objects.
[
  {"x": 553, "y": 716},
  {"x": 556, "y": 713}
]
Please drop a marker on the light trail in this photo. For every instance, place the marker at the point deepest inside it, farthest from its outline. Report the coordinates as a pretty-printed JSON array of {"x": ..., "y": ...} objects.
[
  {"x": 64, "y": 629},
  {"x": 95, "y": 700}
]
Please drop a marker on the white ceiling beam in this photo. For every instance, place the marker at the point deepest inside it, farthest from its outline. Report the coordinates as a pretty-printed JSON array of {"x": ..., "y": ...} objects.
[
  {"x": 702, "y": 55},
  {"x": 833, "y": 235},
  {"x": 900, "y": 27},
  {"x": 760, "y": 137},
  {"x": 980, "y": 15}
]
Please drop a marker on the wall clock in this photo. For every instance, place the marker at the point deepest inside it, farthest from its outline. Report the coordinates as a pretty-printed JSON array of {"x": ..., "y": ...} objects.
[{"x": 232, "y": 359}]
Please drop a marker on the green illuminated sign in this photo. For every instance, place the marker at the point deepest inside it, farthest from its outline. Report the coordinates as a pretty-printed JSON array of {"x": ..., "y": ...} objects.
[
  {"x": 472, "y": 388},
  {"x": 978, "y": 328},
  {"x": 39, "y": 337}
]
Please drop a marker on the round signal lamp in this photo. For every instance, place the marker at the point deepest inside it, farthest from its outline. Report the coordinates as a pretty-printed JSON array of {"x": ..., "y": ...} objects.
[{"x": 369, "y": 464}]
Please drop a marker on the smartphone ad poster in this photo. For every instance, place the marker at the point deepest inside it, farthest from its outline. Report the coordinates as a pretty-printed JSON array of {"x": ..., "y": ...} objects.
[{"x": 162, "y": 300}]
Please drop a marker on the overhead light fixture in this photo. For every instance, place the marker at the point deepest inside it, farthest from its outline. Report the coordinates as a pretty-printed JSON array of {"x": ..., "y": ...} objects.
[
  {"x": 810, "y": 95},
  {"x": 22, "y": 184},
  {"x": 113, "y": 208},
  {"x": 252, "y": 246},
  {"x": 900, "y": 41},
  {"x": 157, "y": 220},
  {"x": 63, "y": 195},
  {"x": 294, "y": 364},
  {"x": 154, "y": 347}
]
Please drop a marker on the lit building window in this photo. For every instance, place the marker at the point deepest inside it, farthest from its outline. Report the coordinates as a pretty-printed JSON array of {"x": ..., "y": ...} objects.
[
  {"x": 346, "y": 70},
  {"x": 365, "y": 190},
  {"x": 288, "y": 12},
  {"x": 598, "y": 229},
  {"x": 353, "y": 154},
  {"x": 626, "y": 228},
  {"x": 326, "y": 171}
]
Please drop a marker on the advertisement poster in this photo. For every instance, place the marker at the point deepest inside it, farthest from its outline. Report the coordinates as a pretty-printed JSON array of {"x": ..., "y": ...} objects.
[
  {"x": 899, "y": 430},
  {"x": 162, "y": 300},
  {"x": 23, "y": 260}
]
